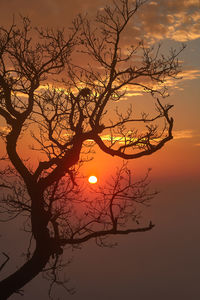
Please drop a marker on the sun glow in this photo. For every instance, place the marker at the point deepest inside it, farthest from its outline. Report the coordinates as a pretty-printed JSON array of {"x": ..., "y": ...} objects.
[{"x": 92, "y": 179}]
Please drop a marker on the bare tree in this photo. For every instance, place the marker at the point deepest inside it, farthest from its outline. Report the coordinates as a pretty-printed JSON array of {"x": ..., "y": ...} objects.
[{"x": 65, "y": 109}]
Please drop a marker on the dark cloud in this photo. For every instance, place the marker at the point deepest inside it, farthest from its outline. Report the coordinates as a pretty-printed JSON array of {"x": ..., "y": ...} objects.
[{"x": 48, "y": 12}]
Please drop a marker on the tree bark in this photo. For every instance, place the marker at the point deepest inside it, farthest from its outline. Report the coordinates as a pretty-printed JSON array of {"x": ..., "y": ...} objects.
[{"x": 26, "y": 273}]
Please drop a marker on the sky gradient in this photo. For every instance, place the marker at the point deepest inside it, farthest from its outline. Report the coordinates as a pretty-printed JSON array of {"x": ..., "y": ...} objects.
[{"x": 164, "y": 263}]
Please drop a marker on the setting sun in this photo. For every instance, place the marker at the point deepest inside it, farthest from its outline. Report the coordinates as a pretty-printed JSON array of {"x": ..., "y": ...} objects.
[{"x": 92, "y": 179}]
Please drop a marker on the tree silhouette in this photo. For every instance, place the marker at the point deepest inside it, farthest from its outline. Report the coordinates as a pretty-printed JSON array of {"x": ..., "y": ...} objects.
[{"x": 62, "y": 109}]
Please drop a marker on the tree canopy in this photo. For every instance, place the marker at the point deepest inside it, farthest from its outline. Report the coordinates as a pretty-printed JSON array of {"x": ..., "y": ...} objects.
[{"x": 60, "y": 92}]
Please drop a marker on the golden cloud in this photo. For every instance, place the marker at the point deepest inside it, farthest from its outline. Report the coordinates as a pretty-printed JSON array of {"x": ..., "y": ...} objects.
[
  {"x": 177, "y": 134},
  {"x": 190, "y": 74},
  {"x": 176, "y": 20},
  {"x": 183, "y": 134},
  {"x": 4, "y": 130}
]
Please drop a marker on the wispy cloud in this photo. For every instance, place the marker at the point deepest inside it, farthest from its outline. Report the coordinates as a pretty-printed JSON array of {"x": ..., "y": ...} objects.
[
  {"x": 190, "y": 74},
  {"x": 177, "y": 134},
  {"x": 114, "y": 139},
  {"x": 183, "y": 134}
]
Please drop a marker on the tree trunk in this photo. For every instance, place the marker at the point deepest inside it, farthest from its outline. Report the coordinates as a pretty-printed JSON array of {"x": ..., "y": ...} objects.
[{"x": 25, "y": 274}]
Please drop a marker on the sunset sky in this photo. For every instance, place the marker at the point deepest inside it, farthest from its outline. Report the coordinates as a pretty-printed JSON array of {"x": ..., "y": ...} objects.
[{"x": 162, "y": 264}]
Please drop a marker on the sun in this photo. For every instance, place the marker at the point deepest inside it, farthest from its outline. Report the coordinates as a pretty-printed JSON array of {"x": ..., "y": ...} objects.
[{"x": 92, "y": 179}]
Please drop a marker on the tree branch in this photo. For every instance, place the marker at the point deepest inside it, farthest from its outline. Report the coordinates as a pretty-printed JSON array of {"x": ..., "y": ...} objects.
[
  {"x": 5, "y": 262},
  {"x": 103, "y": 233}
]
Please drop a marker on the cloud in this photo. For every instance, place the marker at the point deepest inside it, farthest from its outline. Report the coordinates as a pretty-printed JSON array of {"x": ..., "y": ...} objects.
[
  {"x": 185, "y": 28},
  {"x": 56, "y": 13},
  {"x": 4, "y": 130},
  {"x": 190, "y": 74},
  {"x": 183, "y": 134},
  {"x": 177, "y": 134},
  {"x": 176, "y": 20}
]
